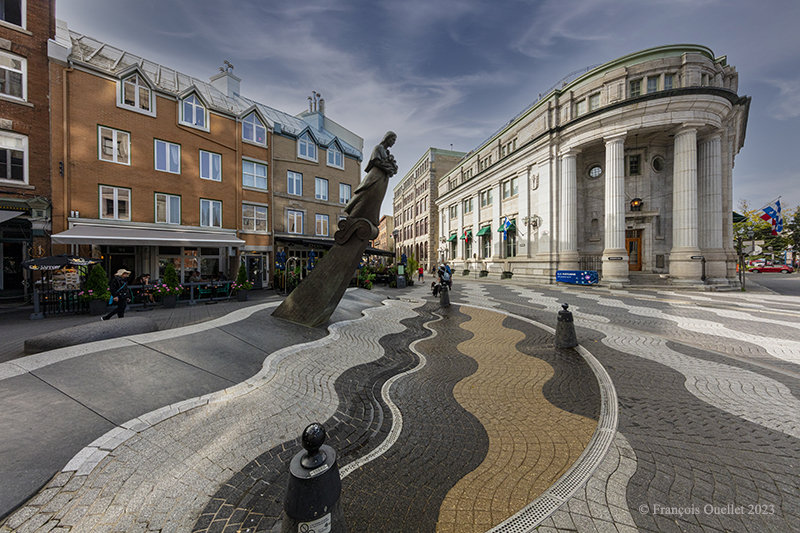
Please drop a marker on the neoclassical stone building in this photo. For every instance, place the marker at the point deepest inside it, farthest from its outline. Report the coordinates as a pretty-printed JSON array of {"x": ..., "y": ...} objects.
[{"x": 626, "y": 170}]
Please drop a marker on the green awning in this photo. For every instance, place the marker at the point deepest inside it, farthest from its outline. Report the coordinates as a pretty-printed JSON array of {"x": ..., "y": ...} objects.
[
  {"x": 452, "y": 238},
  {"x": 486, "y": 230},
  {"x": 512, "y": 227},
  {"x": 738, "y": 218},
  {"x": 467, "y": 236}
]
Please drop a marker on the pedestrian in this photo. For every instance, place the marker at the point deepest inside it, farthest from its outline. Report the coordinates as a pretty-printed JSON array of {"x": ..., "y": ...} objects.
[
  {"x": 421, "y": 272},
  {"x": 120, "y": 293},
  {"x": 145, "y": 292}
]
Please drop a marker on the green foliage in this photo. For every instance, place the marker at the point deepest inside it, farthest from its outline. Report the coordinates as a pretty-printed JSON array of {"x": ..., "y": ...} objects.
[
  {"x": 242, "y": 283},
  {"x": 365, "y": 278},
  {"x": 762, "y": 230},
  {"x": 413, "y": 266},
  {"x": 171, "y": 276},
  {"x": 96, "y": 285}
]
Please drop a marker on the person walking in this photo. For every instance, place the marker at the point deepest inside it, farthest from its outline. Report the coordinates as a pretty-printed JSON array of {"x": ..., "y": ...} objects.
[
  {"x": 421, "y": 272},
  {"x": 120, "y": 292}
]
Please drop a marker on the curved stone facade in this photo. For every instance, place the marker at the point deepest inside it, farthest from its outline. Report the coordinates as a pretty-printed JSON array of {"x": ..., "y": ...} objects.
[{"x": 627, "y": 169}]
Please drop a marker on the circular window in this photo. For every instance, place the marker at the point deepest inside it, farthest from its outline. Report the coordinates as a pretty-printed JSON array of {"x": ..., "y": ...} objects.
[
  {"x": 658, "y": 163},
  {"x": 595, "y": 171}
]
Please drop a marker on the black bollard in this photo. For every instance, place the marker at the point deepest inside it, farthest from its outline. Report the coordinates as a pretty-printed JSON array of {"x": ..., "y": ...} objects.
[
  {"x": 565, "y": 329},
  {"x": 312, "y": 496}
]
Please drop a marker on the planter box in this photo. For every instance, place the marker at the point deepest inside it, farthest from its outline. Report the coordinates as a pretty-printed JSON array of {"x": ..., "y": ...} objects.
[
  {"x": 169, "y": 301},
  {"x": 98, "y": 307},
  {"x": 506, "y": 275},
  {"x": 484, "y": 273},
  {"x": 465, "y": 272},
  {"x": 242, "y": 295}
]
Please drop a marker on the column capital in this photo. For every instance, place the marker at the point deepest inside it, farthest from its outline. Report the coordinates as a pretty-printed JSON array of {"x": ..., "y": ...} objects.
[
  {"x": 615, "y": 138},
  {"x": 714, "y": 136},
  {"x": 689, "y": 127},
  {"x": 569, "y": 152}
]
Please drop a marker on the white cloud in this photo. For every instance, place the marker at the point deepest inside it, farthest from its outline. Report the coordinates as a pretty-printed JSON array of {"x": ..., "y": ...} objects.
[{"x": 786, "y": 105}]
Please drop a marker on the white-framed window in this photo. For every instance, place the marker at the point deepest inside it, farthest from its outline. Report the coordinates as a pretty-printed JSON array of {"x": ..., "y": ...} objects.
[
  {"x": 193, "y": 112},
  {"x": 668, "y": 81},
  {"x": 210, "y": 213},
  {"x": 136, "y": 93},
  {"x": 322, "y": 225},
  {"x": 510, "y": 188},
  {"x": 321, "y": 189},
  {"x": 486, "y": 198},
  {"x": 594, "y": 101},
  {"x": 168, "y": 208},
  {"x": 254, "y": 174},
  {"x": 306, "y": 148},
  {"x": 113, "y": 145},
  {"x": 335, "y": 157},
  {"x": 294, "y": 222},
  {"x": 652, "y": 85},
  {"x": 13, "y": 158},
  {"x": 115, "y": 203},
  {"x": 345, "y": 193},
  {"x": 635, "y": 88},
  {"x": 167, "y": 156},
  {"x": 13, "y": 12},
  {"x": 254, "y": 217},
  {"x": 486, "y": 245},
  {"x": 453, "y": 211},
  {"x": 13, "y": 75},
  {"x": 210, "y": 166},
  {"x": 580, "y": 107},
  {"x": 253, "y": 130},
  {"x": 294, "y": 183},
  {"x": 468, "y": 205}
]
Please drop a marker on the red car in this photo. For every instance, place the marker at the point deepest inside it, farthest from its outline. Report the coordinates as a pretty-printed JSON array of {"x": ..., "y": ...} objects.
[{"x": 783, "y": 269}]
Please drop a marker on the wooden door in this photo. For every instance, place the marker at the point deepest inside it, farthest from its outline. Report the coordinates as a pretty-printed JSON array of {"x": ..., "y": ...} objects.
[{"x": 633, "y": 243}]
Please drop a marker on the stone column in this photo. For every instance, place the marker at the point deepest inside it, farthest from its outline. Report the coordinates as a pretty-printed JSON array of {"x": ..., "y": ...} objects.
[
  {"x": 524, "y": 241},
  {"x": 497, "y": 238},
  {"x": 710, "y": 211},
  {"x": 685, "y": 245},
  {"x": 568, "y": 212},
  {"x": 615, "y": 255}
]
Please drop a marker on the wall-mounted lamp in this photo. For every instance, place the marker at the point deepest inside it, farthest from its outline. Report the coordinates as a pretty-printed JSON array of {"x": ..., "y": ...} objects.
[
  {"x": 533, "y": 221},
  {"x": 636, "y": 204}
]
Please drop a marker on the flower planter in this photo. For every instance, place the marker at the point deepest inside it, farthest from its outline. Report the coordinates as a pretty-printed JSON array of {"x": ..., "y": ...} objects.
[
  {"x": 465, "y": 272},
  {"x": 484, "y": 273},
  {"x": 98, "y": 307},
  {"x": 169, "y": 300},
  {"x": 242, "y": 295},
  {"x": 506, "y": 275}
]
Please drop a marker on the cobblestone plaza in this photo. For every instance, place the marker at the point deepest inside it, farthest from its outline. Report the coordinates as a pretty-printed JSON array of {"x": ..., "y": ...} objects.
[{"x": 677, "y": 412}]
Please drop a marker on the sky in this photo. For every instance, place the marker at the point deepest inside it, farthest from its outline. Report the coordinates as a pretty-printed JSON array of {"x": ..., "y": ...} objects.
[{"x": 444, "y": 73}]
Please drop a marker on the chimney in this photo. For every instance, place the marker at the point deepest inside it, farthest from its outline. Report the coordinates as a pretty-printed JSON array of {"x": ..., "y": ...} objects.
[
  {"x": 321, "y": 106},
  {"x": 225, "y": 81}
]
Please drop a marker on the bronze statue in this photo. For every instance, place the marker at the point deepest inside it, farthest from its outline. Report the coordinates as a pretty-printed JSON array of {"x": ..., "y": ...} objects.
[
  {"x": 368, "y": 196},
  {"x": 313, "y": 301}
]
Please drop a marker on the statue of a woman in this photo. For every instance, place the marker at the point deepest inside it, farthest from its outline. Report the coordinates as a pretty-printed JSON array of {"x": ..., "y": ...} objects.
[{"x": 368, "y": 196}]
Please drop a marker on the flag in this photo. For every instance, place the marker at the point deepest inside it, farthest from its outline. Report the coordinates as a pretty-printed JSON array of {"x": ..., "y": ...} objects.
[
  {"x": 772, "y": 214},
  {"x": 466, "y": 234},
  {"x": 506, "y": 225}
]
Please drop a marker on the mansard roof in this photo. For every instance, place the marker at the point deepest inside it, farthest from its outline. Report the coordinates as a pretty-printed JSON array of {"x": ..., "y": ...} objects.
[{"x": 116, "y": 62}]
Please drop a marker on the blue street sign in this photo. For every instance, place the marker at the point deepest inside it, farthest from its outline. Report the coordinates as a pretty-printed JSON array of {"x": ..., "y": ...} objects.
[{"x": 577, "y": 277}]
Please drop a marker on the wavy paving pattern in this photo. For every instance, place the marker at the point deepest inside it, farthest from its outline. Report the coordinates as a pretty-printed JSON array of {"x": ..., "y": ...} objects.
[
  {"x": 158, "y": 478},
  {"x": 253, "y": 498},
  {"x": 531, "y": 442}
]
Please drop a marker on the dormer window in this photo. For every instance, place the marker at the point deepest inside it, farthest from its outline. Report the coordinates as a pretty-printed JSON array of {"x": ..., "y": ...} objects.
[
  {"x": 306, "y": 147},
  {"x": 335, "y": 157},
  {"x": 136, "y": 94},
  {"x": 253, "y": 130},
  {"x": 194, "y": 113}
]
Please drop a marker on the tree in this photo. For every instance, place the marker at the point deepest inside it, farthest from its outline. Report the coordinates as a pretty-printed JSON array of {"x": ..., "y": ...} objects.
[
  {"x": 171, "y": 276},
  {"x": 97, "y": 284},
  {"x": 762, "y": 230}
]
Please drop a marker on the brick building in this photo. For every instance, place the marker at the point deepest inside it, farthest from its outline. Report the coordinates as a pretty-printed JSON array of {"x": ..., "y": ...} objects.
[
  {"x": 25, "y": 28},
  {"x": 160, "y": 167},
  {"x": 416, "y": 218}
]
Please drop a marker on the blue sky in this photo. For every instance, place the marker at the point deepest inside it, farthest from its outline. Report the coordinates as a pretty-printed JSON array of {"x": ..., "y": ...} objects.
[{"x": 442, "y": 72}]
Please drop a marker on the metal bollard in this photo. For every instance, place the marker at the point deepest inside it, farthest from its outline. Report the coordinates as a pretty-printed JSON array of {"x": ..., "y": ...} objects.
[
  {"x": 312, "y": 495},
  {"x": 565, "y": 329}
]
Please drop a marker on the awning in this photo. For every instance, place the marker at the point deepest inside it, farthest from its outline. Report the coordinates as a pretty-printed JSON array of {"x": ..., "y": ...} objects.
[
  {"x": 90, "y": 234},
  {"x": 486, "y": 230},
  {"x": 467, "y": 235},
  {"x": 738, "y": 218},
  {"x": 5, "y": 214},
  {"x": 512, "y": 227},
  {"x": 452, "y": 237}
]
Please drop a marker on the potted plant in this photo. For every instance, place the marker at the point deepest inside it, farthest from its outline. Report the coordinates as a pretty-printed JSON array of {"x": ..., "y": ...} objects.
[
  {"x": 365, "y": 278},
  {"x": 96, "y": 291},
  {"x": 242, "y": 285},
  {"x": 170, "y": 289}
]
